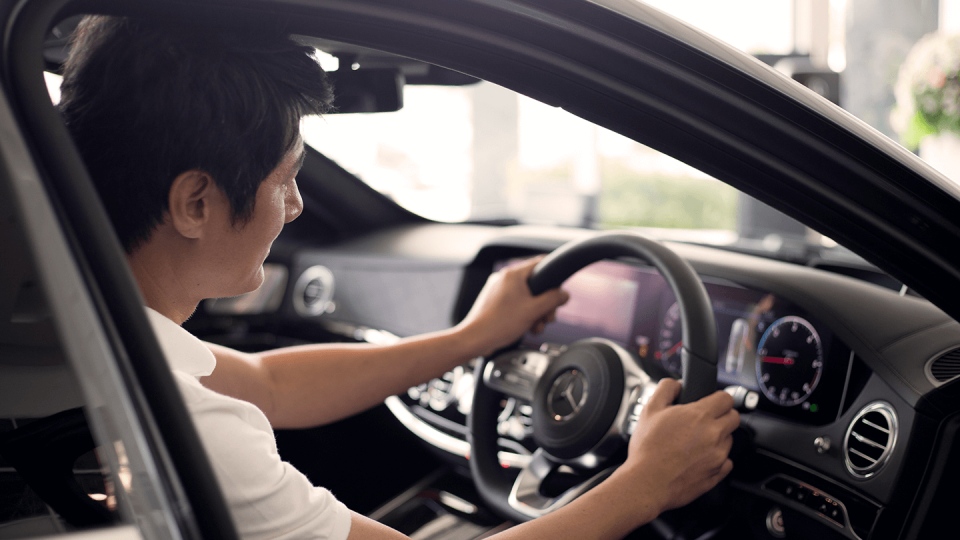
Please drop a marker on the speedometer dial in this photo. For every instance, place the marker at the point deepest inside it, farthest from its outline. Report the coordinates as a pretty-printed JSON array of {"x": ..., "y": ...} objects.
[{"x": 789, "y": 361}]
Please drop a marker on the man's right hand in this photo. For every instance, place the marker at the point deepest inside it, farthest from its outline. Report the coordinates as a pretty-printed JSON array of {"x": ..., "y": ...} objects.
[
  {"x": 676, "y": 454},
  {"x": 505, "y": 309},
  {"x": 681, "y": 451}
]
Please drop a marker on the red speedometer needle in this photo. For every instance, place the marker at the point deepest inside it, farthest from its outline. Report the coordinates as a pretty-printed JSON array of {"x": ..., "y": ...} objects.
[
  {"x": 778, "y": 360},
  {"x": 673, "y": 349}
]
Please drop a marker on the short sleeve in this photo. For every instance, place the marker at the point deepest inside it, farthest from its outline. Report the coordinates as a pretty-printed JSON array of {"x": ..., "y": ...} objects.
[{"x": 268, "y": 497}]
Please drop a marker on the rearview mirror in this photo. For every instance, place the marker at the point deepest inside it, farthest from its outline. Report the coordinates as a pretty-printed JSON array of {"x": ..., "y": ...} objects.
[{"x": 367, "y": 90}]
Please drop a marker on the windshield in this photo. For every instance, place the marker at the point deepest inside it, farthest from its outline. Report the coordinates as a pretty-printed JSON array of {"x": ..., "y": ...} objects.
[
  {"x": 484, "y": 153},
  {"x": 481, "y": 152}
]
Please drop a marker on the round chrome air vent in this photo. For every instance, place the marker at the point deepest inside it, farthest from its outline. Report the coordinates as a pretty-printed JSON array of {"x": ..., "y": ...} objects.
[
  {"x": 313, "y": 292},
  {"x": 870, "y": 439}
]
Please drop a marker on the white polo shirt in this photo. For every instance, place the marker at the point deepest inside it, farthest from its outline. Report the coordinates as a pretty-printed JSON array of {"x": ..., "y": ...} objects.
[{"x": 268, "y": 497}]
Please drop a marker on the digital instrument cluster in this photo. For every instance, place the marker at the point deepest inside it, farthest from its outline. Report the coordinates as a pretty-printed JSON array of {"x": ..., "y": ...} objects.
[{"x": 765, "y": 343}]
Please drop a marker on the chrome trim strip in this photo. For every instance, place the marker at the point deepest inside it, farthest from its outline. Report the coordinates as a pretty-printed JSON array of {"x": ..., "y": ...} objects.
[
  {"x": 410, "y": 493},
  {"x": 861, "y": 454},
  {"x": 440, "y": 439},
  {"x": 871, "y": 424},
  {"x": 846, "y": 385},
  {"x": 525, "y": 496}
]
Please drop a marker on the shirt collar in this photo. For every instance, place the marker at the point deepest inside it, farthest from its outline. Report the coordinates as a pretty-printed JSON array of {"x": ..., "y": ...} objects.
[{"x": 183, "y": 350}]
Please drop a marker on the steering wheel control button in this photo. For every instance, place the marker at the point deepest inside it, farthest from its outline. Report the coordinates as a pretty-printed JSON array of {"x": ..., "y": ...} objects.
[
  {"x": 552, "y": 349},
  {"x": 751, "y": 400},
  {"x": 516, "y": 373},
  {"x": 639, "y": 395},
  {"x": 512, "y": 427},
  {"x": 775, "y": 523},
  {"x": 744, "y": 399}
]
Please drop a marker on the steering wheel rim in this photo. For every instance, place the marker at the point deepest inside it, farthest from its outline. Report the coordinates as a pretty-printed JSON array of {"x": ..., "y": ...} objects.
[{"x": 698, "y": 353}]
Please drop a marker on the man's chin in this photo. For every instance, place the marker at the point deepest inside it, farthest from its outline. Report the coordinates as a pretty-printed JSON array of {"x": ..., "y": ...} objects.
[
  {"x": 247, "y": 286},
  {"x": 255, "y": 282}
]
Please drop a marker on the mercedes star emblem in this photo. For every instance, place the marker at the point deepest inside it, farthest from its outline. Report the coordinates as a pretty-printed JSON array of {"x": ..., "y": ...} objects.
[{"x": 567, "y": 395}]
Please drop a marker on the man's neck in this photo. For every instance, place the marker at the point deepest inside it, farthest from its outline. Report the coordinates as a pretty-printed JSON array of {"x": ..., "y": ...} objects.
[{"x": 162, "y": 282}]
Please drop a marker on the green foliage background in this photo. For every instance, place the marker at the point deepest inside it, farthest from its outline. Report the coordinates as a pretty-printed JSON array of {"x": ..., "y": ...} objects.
[
  {"x": 629, "y": 198},
  {"x": 632, "y": 199}
]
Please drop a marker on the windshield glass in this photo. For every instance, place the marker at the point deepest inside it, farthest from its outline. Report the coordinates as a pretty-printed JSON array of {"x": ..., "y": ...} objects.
[
  {"x": 484, "y": 153},
  {"x": 481, "y": 152}
]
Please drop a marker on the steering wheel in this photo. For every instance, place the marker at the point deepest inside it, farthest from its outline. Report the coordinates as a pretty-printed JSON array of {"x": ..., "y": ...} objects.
[{"x": 585, "y": 397}]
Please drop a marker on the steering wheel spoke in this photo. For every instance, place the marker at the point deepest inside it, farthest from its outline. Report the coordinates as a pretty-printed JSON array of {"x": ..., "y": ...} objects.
[
  {"x": 527, "y": 495},
  {"x": 516, "y": 373}
]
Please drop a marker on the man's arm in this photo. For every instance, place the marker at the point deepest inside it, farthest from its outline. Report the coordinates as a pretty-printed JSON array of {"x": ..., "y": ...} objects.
[
  {"x": 316, "y": 384},
  {"x": 676, "y": 454}
]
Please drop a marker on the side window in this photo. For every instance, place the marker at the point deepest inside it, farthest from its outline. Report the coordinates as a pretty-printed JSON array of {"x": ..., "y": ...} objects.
[
  {"x": 76, "y": 454},
  {"x": 52, "y": 477}
]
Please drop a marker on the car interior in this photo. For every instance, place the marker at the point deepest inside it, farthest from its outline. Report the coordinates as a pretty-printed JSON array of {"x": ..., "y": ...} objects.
[{"x": 844, "y": 366}]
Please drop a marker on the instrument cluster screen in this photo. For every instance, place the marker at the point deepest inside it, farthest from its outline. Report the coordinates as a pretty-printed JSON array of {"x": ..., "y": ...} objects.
[{"x": 764, "y": 342}]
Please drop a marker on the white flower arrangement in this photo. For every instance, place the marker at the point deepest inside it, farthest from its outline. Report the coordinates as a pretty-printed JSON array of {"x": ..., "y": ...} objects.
[{"x": 928, "y": 90}]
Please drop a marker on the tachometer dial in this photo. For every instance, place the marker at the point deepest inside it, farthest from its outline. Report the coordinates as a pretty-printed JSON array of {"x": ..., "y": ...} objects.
[{"x": 789, "y": 361}]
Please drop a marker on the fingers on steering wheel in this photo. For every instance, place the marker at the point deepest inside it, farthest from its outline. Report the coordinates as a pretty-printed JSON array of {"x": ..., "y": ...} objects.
[
  {"x": 726, "y": 444},
  {"x": 719, "y": 403},
  {"x": 730, "y": 421},
  {"x": 665, "y": 394},
  {"x": 525, "y": 268},
  {"x": 724, "y": 470}
]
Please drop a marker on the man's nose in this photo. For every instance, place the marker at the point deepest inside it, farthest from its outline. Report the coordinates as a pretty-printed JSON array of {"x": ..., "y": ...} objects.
[{"x": 294, "y": 205}]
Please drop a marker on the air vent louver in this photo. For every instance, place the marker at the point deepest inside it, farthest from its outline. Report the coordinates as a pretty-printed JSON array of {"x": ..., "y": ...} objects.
[
  {"x": 946, "y": 366},
  {"x": 870, "y": 439}
]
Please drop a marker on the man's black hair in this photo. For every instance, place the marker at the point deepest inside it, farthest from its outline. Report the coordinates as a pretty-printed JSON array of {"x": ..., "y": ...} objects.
[{"x": 148, "y": 101}]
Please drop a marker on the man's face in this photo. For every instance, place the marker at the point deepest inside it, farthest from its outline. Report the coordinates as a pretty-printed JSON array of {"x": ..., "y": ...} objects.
[{"x": 241, "y": 248}]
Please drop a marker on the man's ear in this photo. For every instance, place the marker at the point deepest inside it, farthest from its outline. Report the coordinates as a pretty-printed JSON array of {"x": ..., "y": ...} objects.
[{"x": 191, "y": 195}]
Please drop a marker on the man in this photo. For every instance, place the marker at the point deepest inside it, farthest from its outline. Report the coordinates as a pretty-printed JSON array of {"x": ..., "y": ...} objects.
[{"x": 192, "y": 137}]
